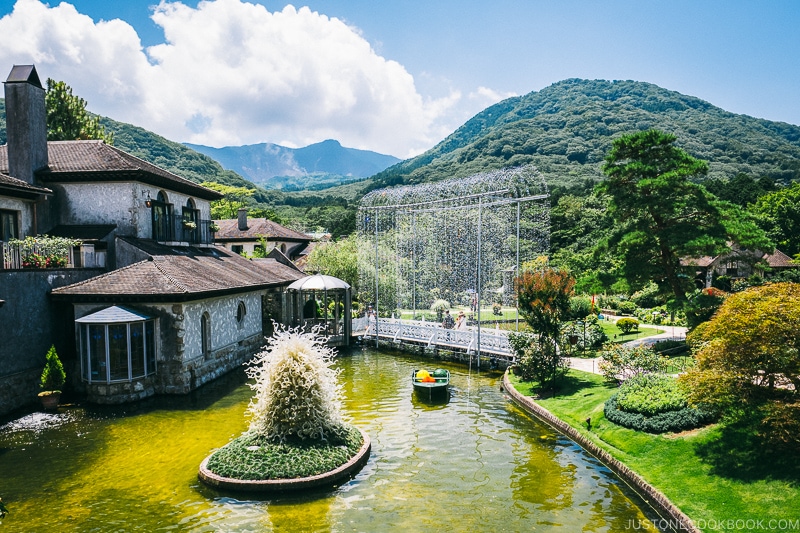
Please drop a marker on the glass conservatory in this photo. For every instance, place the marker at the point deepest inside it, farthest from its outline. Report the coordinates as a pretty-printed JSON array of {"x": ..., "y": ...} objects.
[{"x": 117, "y": 345}]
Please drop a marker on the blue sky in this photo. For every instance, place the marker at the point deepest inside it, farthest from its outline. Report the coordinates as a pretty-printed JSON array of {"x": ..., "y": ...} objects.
[{"x": 394, "y": 77}]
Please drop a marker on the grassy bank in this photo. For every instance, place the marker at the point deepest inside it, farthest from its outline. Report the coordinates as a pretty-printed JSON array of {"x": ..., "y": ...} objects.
[{"x": 713, "y": 474}]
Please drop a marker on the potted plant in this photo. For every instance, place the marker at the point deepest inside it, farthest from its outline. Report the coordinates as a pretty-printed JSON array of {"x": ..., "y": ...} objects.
[
  {"x": 52, "y": 379},
  {"x": 213, "y": 227},
  {"x": 189, "y": 224}
]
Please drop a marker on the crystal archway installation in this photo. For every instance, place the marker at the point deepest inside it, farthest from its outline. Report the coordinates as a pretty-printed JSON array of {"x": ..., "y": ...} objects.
[{"x": 461, "y": 240}]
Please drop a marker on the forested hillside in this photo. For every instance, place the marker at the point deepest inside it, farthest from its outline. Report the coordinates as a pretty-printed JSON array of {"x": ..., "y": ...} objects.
[
  {"x": 567, "y": 128},
  {"x": 170, "y": 155}
]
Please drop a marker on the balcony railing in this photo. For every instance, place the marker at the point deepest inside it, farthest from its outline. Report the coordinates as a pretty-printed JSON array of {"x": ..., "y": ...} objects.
[
  {"x": 35, "y": 256},
  {"x": 175, "y": 228}
]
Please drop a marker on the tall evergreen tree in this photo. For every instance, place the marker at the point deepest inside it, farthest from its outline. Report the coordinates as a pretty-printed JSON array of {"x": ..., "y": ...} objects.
[
  {"x": 661, "y": 215},
  {"x": 67, "y": 118}
]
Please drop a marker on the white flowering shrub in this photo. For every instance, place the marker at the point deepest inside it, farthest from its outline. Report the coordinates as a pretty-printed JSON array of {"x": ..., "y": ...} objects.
[{"x": 296, "y": 389}]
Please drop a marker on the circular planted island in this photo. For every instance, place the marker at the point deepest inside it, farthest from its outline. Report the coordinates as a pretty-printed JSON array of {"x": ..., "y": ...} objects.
[{"x": 297, "y": 439}]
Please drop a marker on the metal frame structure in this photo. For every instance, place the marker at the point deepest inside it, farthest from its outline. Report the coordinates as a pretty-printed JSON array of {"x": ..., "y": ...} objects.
[{"x": 451, "y": 240}]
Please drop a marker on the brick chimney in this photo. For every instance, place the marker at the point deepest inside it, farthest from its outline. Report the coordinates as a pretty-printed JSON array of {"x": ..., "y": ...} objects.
[
  {"x": 242, "y": 219},
  {"x": 26, "y": 123}
]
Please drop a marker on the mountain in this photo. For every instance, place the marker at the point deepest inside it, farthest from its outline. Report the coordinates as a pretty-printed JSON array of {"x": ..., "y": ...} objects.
[
  {"x": 566, "y": 130},
  {"x": 314, "y": 167},
  {"x": 169, "y": 155}
]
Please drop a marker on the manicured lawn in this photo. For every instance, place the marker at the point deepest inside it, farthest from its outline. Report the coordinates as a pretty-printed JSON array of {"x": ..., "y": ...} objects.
[
  {"x": 616, "y": 336},
  {"x": 712, "y": 474}
]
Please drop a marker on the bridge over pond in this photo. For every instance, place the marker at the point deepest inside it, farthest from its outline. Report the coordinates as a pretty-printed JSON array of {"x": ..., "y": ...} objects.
[{"x": 470, "y": 340}]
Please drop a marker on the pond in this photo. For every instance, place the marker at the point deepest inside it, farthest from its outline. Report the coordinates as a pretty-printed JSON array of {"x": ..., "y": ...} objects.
[{"x": 472, "y": 461}]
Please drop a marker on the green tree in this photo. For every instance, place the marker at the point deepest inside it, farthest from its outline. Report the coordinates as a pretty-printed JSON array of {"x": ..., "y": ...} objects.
[
  {"x": 778, "y": 214},
  {"x": 544, "y": 302},
  {"x": 619, "y": 363},
  {"x": 67, "y": 118},
  {"x": 741, "y": 190},
  {"x": 662, "y": 216},
  {"x": 338, "y": 259},
  {"x": 336, "y": 220},
  {"x": 748, "y": 361},
  {"x": 53, "y": 375},
  {"x": 234, "y": 198}
]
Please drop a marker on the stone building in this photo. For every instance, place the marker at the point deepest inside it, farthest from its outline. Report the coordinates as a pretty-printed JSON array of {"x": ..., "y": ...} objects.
[
  {"x": 146, "y": 292},
  {"x": 205, "y": 309}
]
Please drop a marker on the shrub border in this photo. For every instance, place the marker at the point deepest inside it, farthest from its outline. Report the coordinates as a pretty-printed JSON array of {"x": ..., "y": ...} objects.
[
  {"x": 345, "y": 471},
  {"x": 654, "y": 424},
  {"x": 652, "y": 496}
]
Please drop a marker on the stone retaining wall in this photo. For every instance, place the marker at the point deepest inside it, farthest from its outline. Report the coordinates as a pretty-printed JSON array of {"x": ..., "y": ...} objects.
[{"x": 648, "y": 493}]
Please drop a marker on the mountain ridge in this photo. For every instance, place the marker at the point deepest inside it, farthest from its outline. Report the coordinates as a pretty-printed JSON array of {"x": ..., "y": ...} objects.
[
  {"x": 567, "y": 128},
  {"x": 279, "y": 167}
]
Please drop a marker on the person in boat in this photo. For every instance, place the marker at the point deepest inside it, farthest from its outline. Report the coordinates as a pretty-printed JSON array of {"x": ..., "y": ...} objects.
[
  {"x": 448, "y": 321},
  {"x": 461, "y": 321}
]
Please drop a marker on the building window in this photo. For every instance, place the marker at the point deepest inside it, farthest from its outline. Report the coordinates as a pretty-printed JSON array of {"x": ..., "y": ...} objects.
[
  {"x": 117, "y": 345},
  {"x": 205, "y": 334},
  {"x": 190, "y": 220},
  {"x": 162, "y": 215},
  {"x": 241, "y": 312},
  {"x": 9, "y": 225},
  {"x": 237, "y": 248}
]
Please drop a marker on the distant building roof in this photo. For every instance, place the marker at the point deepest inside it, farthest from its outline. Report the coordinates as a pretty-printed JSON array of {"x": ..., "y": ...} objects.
[
  {"x": 256, "y": 227},
  {"x": 96, "y": 161},
  {"x": 174, "y": 274},
  {"x": 778, "y": 259}
]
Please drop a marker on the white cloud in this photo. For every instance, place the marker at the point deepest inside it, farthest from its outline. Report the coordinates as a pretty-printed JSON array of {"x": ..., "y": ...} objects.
[
  {"x": 485, "y": 96},
  {"x": 232, "y": 73}
]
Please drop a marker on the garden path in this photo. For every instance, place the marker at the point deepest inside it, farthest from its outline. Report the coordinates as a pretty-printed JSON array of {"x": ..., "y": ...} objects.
[{"x": 592, "y": 364}]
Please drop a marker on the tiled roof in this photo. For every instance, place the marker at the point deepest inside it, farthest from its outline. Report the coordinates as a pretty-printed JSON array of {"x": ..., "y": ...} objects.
[
  {"x": 94, "y": 160},
  {"x": 256, "y": 227},
  {"x": 17, "y": 188},
  {"x": 180, "y": 274},
  {"x": 778, "y": 259},
  {"x": 698, "y": 261}
]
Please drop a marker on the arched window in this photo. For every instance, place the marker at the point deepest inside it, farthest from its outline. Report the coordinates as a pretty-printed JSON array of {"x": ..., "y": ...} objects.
[
  {"x": 162, "y": 214},
  {"x": 117, "y": 345},
  {"x": 205, "y": 334},
  {"x": 190, "y": 220}
]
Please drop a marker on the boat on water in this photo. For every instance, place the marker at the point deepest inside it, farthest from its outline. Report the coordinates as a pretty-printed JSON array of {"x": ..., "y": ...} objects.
[{"x": 430, "y": 382}]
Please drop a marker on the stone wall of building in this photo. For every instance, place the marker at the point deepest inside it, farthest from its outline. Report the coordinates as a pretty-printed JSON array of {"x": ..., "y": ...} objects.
[{"x": 29, "y": 324}]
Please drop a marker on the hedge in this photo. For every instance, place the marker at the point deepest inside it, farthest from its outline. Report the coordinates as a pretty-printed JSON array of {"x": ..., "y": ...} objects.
[{"x": 669, "y": 421}]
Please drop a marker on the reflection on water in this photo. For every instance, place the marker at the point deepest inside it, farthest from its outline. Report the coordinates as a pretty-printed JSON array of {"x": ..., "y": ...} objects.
[{"x": 469, "y": 462}]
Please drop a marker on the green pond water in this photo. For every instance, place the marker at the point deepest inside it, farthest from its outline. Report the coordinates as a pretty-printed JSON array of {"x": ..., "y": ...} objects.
[{"x": 470, "y": 462}]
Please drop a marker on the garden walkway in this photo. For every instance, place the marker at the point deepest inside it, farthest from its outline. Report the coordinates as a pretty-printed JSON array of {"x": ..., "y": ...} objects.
[{"x": 670, "y": 333}]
